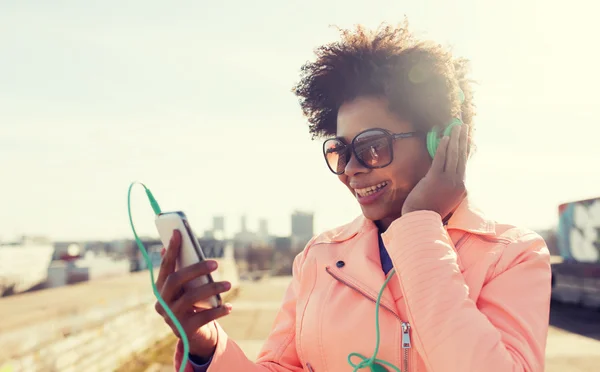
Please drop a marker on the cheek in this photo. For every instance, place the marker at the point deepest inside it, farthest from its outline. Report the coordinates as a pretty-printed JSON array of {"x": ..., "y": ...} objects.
[
  {"x": 344, "y": 179},
  {"x": 405, "y": 173}
]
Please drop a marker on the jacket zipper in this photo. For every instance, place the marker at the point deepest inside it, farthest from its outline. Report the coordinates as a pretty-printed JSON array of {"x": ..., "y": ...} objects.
[
  {"x": 405, "y": 343},
  {"x": 405, "y": 325}
]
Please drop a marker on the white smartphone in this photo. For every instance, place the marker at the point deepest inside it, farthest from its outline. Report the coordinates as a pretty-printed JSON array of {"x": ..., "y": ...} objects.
[{"x": 190, "y": 253}]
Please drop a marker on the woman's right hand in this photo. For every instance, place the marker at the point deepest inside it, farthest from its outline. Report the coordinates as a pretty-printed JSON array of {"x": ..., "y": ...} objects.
[{"x": 197, "y": 323}]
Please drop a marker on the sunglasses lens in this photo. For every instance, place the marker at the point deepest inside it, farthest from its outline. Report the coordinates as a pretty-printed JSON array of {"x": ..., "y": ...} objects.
[
  {"x": 373, "y": 148},
  {"x": 335, "y": 155}
]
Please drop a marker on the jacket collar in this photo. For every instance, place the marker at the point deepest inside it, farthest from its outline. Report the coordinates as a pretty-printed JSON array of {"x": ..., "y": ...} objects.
[
  {"x": 467, "y": 217},
  {"x": 470, "y": 218}
]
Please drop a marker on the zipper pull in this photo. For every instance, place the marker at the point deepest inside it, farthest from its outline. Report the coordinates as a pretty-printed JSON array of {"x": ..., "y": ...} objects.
[
  {"x": 405, "y": 335},
  {"x": 310, "y": 368}
]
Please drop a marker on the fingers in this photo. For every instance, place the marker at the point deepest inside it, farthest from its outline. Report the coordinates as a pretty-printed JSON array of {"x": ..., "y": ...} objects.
[
  {"x": 439, "y": 158},
  {"x": 191, "y": 323},
  {"x": 201, "y": 294},
  {"x": 206, "y": 316},
  {"x": 463, "y": 151},
  {"x": 175, "y": 281},
  {"x": 169, "y": 260},
  {"x": 179, "y": 301},
  {"x": 452, "y": 150},
  {"x": 194, "y": 322}
]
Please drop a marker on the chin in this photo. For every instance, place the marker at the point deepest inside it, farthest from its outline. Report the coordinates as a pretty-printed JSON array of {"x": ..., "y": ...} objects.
[
  {"x": 382, "y": 211},
  {"x": 374, "y": 213},
  {"x": 388, "y": 206}
]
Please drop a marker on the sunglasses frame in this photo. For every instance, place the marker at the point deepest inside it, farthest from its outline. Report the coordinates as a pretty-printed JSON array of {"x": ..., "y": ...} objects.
[{"x": 350, "y": 149}]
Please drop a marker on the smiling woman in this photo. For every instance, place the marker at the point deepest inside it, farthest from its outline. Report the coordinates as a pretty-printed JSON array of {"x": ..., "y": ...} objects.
[
  {"x": 370, "y": 92},
  {"x": 422, "y": 280}
]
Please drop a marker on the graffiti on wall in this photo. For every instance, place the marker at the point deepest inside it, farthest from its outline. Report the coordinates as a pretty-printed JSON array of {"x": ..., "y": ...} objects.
[{"x": 579, "y": 230}]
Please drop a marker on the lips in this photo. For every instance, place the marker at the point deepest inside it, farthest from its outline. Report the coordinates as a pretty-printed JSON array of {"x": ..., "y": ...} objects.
[{"x": 370, "y": 190}]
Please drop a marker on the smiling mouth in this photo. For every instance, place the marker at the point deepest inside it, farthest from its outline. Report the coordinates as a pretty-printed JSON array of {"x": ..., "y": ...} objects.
[{"x": 370, "y": 190}]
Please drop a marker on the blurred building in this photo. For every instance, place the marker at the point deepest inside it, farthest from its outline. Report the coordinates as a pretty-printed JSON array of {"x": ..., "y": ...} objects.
[
  {"x": 217, "y": 231},
  {"x": 219, "y": 223},
  {"x": 244, "y": 236},
  {"x": 302, "y": 224},
  {"x": 282, "y": 244},
  {"x": 243, "y": 225},
  {"x": 213, "y": 248},
  {"x": 263, "y": 229},
  {"x": 302, "y": 229}
]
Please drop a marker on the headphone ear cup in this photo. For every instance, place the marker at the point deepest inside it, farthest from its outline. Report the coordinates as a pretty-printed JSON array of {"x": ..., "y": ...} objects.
[
  {"x": 433, "y": 142},
  {"x": 453, "y": 123},
  {"x": 433, "y": 139}
]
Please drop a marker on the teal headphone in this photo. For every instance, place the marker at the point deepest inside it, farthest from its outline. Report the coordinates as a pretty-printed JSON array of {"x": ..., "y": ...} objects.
[{"x": 434, "y": 137}]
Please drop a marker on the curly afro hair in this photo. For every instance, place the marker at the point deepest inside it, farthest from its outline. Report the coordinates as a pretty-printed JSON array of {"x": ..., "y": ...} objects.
[{"x": 420, "y": 79}]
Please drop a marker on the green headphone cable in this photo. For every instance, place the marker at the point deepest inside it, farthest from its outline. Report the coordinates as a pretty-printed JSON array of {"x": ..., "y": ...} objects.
[
  {"x": 156, "y": 209},
  {"x": 374, "y": 364}
]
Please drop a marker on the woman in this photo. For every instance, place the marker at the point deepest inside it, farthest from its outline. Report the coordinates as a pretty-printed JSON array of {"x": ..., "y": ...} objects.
[{"x": 460, "y": 291}]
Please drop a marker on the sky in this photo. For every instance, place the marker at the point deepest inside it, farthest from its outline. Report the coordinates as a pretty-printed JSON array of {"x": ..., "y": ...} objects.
[{"x": 194, "y": 99}]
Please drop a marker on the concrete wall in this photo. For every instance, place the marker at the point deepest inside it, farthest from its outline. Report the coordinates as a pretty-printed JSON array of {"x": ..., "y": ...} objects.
[
  {"x": 84, "y": 333},
  {"x": 98, "y": 343}
]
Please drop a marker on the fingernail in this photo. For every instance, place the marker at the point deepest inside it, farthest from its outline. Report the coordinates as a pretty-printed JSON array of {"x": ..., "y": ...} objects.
[
  {"x": 226, "y": 286},
  {"x": 211, "y": 265},
  {"x": 163, "y": 251},
  {"x": 228, "y": 306}
]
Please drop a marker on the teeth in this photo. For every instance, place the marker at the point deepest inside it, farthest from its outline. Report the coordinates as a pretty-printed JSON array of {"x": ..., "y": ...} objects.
[{"x": 370, "y": 190}]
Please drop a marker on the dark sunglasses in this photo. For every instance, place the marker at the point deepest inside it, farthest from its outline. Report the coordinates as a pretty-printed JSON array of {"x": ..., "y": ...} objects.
[{"x": 373, "y": 148}]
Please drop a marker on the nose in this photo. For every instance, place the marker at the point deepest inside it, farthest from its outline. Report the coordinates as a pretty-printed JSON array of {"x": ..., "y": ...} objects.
[{"x": 354, "y": 167}]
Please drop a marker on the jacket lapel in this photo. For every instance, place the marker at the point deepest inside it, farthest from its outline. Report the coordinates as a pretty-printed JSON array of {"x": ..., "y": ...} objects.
[{"x": 358, "y": 265}]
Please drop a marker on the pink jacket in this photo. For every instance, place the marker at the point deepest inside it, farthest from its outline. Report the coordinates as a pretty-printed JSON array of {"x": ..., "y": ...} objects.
[{"x": 475, "y": 293}]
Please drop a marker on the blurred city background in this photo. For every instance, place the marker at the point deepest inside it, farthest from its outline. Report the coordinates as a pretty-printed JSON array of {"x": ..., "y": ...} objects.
[
  {"x": 33, "y": 262},
  {"x": 194, "y": 100}
]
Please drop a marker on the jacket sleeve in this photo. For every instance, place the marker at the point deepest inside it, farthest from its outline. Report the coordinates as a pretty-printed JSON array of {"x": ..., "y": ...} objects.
[
  {"x": 504, "y": 330},
  {"x": 199, "y": 367},
  {"x": 278, "y": 354}
]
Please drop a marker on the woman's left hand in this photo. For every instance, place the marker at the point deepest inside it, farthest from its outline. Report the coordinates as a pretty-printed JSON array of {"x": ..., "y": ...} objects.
[{"x": 443, "y": 187}]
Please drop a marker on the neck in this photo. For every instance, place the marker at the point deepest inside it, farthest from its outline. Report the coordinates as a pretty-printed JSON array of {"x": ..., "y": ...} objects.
[{"x": 384, "y": 223}]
